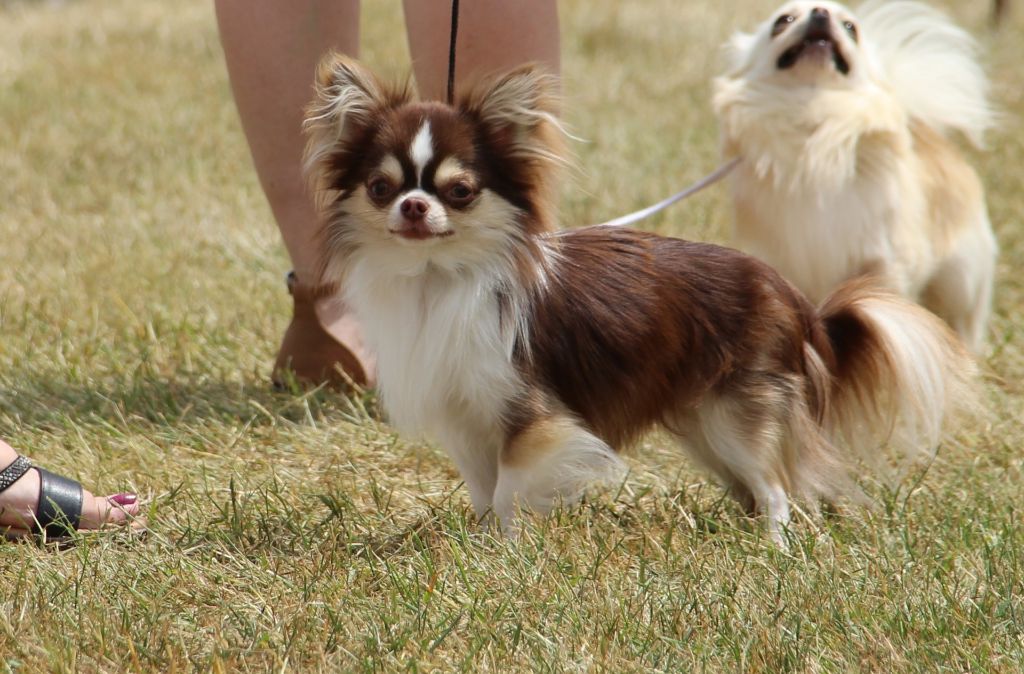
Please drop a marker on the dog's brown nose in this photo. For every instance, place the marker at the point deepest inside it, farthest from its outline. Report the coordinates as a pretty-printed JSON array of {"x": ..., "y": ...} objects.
[
  {"x": 414, "y": 208},
  {"x": 819, "y": 15}
]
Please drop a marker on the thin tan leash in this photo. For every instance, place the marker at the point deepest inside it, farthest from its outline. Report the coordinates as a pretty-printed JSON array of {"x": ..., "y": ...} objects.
[{"x": 706, "y": 181}]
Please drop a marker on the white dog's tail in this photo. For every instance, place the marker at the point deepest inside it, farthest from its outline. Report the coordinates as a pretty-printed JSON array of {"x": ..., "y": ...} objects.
[
  {"x": 897, "y": 375},
  {"x": 931, "y": 64}
]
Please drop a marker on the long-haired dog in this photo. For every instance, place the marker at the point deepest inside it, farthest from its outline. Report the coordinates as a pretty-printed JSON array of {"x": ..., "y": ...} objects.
[
  {"x": 841, "y": 121},
  {"x": 533, "y": 355}
]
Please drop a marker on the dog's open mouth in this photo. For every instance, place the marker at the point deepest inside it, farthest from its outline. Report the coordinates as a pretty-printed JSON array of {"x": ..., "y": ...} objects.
[{"x": 817, "y": 40}]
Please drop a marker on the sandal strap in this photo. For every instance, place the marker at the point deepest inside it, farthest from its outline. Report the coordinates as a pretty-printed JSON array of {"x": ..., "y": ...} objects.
[
  {"x": 60, "y": 504},
  {"x": 13, "y": 472}
]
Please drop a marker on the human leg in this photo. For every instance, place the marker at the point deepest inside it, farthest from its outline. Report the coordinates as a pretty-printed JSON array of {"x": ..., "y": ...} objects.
[
  {"x": 493, "y": 35},
  {"x": 272, "y": 48}
]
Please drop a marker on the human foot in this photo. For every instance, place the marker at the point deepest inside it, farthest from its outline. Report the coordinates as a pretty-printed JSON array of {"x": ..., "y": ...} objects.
[
  {"x": 323, "y": 343},
  {"x": 26, "y": 501}
]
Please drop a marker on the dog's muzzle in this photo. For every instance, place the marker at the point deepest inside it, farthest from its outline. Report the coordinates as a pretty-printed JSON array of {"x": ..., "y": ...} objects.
[{"x": 817, "y": 36}]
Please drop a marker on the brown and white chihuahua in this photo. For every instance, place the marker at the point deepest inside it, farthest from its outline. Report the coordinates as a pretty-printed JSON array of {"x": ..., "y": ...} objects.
[{"x": 533, "y": 355}]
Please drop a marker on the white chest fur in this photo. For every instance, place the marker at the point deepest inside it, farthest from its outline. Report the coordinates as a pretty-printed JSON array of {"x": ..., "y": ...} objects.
[
  {"x": 444, "y": 357},
  {"x": 817, "y": 240},
  {"x": 820, "y": 234},
  {"x": 827, "y": 189}
]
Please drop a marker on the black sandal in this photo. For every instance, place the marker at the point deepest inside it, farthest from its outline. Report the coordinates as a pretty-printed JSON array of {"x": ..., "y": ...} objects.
[{"x": 60, "y": 499}]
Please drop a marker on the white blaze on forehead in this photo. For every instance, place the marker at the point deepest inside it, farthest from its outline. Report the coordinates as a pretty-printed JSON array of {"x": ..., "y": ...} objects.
[{"x": 422, "y": 150}]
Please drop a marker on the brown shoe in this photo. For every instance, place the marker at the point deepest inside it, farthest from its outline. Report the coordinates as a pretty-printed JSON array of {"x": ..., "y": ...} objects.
[{"x": 311, "y": 353}]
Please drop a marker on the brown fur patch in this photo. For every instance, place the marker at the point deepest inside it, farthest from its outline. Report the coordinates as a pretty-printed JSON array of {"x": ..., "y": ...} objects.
[
  {"x": 951, "y": 186},
  {"x": 634, "y": 325}
]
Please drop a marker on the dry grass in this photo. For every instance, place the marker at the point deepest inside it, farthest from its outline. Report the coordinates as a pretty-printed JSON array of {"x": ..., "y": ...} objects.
[{"x": 141, "y": 301}]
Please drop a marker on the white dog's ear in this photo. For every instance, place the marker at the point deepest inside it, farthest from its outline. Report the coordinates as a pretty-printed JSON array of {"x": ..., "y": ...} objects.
[
  {"x": 348, "y": 100},
  {"x": 739, "y": 52},
  {"x": 519, "y": 112}
]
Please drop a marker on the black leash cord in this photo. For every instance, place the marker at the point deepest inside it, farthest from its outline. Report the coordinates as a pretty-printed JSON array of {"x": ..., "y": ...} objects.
[{"x": 451, "y": 52}]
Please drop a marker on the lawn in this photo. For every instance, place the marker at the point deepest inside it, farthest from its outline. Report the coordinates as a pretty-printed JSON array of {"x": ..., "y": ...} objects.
[{"x": 141, "y": 301}]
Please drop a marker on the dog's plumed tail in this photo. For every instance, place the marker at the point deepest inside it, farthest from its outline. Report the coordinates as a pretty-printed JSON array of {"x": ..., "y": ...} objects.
[
  {"x": 931, "y": 65},
  {"x": 895, "y": 376}
]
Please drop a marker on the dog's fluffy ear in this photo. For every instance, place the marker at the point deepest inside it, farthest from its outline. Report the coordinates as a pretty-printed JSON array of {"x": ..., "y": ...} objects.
[
  {"x": 519, "y": 111},
  {"x": 348, "y": 100}
]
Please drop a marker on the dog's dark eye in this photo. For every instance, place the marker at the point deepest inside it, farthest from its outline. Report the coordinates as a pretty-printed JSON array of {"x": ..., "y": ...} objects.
[
  {"x": 851, "y": 29},
  {"x": 460, "y": 193},
  {"x": 379, "y": 188},
  {"x": 782, "y": 23}
]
